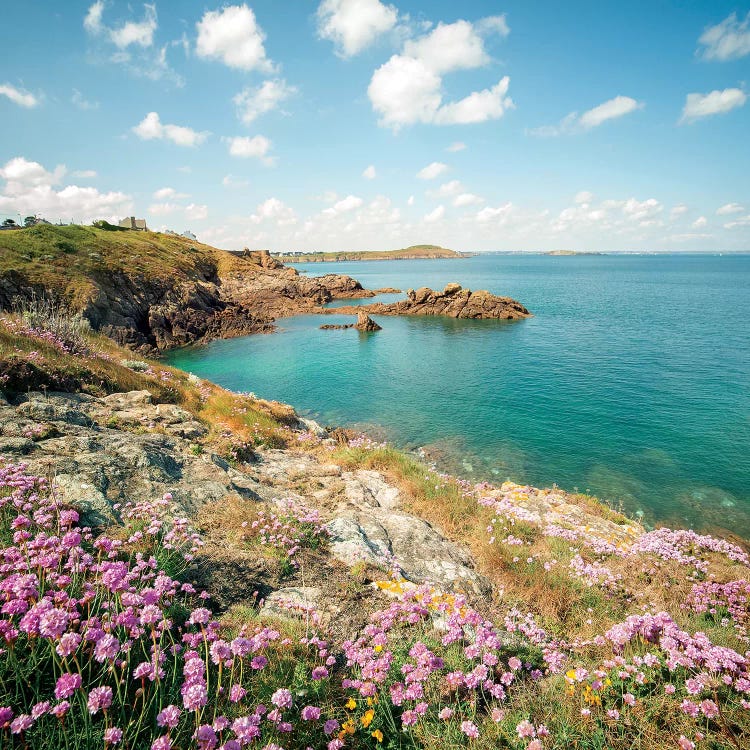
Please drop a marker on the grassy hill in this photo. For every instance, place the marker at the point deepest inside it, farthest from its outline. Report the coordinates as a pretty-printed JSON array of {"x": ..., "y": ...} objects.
[{"x": 407, "y": 253}]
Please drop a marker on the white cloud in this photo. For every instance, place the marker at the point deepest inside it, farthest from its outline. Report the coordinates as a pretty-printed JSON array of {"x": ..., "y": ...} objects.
[
  {"x": 457, "y": 146},
  {"x": 434, "y": 215},
  {"x": 81, "y": 102},
  {"x": 592, "y": 118},
  {"x": 728, "y": 40},
  {"x": 730, "y": 208},
  {"x": 164, "y": 209},
  {"x": 274, "y": 210},
  {"x": 29, "y": 189},
  {"x": 370, "y": 172},
  {"x": 232, "y": 35},
  {"x": 151, "y": 128},
  {"x": 166, "y": 193},
  {"x": 408, "y": 88},
  {"x": 353, "y": 25},
  {"x": 93, "y": 19},
  {"x": 610, "y": 110},
  {"x": 137, "y": 33},
  {"x": 700, "y": 222},
  {"x": 84, "y": 174},
  {"x": 714, "y": 103},
  {"x": 467, "y": 199},
  {"x": 245, "y": 147},
  {"x": 678, "y": 210},
  {"x": 196, "y": 212},
  {"x": 230, "y": 181},
  {"x": 253, "y": 102},
  {"x": 447, "y": 189},
  {"x": 741, "y": 222},
  {"x": 344, "y": 205},
  {"x": 431, "y": 171},
  {"x": 19, "y": 97},
  {"x": 500, "y": 213},
  {"x": 410, "y": 200},
  {"x": 584, "y": 197}
]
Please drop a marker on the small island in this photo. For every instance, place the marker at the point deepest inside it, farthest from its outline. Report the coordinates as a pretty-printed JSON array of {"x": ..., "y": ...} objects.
[{"x": 414, "y": 252}]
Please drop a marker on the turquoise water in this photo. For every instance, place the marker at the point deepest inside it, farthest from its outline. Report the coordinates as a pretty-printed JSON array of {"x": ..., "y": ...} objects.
[{"x": 631, "y": 381}]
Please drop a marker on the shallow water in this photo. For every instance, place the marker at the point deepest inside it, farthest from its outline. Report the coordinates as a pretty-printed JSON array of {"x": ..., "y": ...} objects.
[{"x": 631, "y": 381}]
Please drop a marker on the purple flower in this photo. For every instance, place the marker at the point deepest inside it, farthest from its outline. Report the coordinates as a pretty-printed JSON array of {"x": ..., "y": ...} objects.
[
  {"x": 470, "y": 729},
  {"x": 66, "y": 685},
  {"x": 319, "y": 673},
  {"x": 100, "y": 699},
  {"x": 310, "y": 713},
  {"x": 168, "y": 717},
  {"x": 206, "y": 737},
  {"x": 112, "y": 736},
  {"x": 330, "y": 726},
  {"x": 282, "y": 698},
  {"x": 21, "y": 723},
  {"x": 163, "y": 743}
]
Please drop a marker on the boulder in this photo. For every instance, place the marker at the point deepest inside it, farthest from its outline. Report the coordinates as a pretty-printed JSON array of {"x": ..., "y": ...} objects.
[{"x": 366, "y": 323}]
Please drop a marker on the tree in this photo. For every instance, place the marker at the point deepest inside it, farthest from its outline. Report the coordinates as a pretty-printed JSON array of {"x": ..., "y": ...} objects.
[
  {"x": 30, "y": 221},
  {"x": 9, "y": 223}
]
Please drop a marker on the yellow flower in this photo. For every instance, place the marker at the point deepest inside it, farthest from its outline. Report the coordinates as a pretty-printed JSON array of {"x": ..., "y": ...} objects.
[
  {"x": 367, "y": 718},
  {"x": 378, "y": 735},
  {"x": 351, "y": 704},
  {"x": 348, "y": 727},
  {"x": 378, "y": 649}
]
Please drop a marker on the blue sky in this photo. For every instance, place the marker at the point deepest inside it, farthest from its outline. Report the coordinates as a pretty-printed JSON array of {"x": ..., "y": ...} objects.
[{"x": 361, "y": 124}]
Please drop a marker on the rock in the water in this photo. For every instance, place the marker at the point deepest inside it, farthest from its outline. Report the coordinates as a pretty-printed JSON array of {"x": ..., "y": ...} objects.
[{"x": 366, "y": 323}]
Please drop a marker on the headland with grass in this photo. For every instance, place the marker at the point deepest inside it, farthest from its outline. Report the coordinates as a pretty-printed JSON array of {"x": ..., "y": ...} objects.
[{"x": 184, "y": 566}]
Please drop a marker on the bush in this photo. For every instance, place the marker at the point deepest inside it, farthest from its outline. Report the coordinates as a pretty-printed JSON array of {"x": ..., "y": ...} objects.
[{"x": 55, "y": 323}]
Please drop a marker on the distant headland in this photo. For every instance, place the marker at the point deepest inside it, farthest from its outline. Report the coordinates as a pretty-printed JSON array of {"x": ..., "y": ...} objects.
[{"x": 414, "y": 252}]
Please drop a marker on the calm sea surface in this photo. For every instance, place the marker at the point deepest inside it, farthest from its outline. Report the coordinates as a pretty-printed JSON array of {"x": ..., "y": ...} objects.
[{"x": 631, "y": 381}]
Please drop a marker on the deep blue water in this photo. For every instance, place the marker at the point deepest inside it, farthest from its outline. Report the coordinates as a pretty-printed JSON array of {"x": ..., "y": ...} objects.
[{"x": 631, "y": 381}]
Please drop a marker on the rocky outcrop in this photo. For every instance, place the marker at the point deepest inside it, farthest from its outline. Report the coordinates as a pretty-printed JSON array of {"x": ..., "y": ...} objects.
[
  {"x": 366, "y": 323},
  {"x": 453, "y": 301}
]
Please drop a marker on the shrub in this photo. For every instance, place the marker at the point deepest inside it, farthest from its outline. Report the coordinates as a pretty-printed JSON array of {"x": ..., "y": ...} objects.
[{"x": 54, "y": 322}]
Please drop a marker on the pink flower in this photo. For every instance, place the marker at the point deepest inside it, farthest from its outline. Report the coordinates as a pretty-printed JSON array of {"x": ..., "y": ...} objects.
[
  {"x": 169, "y": 717},
  {"x": 319, "y": 673},
  {"x": 470, "y": 729},
  {"x": 100, "y": 699},
  {"x": 282, "y": 698},
  {"x": 310, "y": 713},
  {"x": 514, "y": 663},
  {"x": 330, "y": 726},
  {"x": 6, "y": 716},
  {"x": 60, "y": 709},
  {"x": 445, "y": 713},
  {"x": 534, "y": 745},
  {"x": 206, "y": 737},
  {"x": 685, "y": 744},
  {"x": 21, "y": 723},
  {"x": 629, "y": 698},
  {"x": 525, "y": 729},
  {"x": 163, "y": 743},
  {"x": 66, "y": 685},
  {"x": 669, "y": 689},
  {"x": 237, "y": 693},
  {"x": 709, "y": 709},
  {"x": 112, "y": 736}
]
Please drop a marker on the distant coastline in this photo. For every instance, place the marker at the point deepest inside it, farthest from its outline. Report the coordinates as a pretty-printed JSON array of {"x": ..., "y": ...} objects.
[{"x": 414, "y": 252}]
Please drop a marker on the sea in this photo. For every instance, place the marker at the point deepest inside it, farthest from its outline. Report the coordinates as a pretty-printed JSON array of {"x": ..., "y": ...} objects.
[{"x": 630, "y": 382}]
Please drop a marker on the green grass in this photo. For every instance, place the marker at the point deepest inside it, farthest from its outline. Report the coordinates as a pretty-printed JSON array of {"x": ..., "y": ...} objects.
[{"x": 414, "y": 251}]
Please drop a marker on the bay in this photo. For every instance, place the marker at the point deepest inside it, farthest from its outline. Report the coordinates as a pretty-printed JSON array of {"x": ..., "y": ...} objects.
[{"x": 631, "y": 381}]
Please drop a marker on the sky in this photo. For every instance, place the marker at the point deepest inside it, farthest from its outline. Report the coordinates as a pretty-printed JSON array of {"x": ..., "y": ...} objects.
[{"x": 369, "y": 125}]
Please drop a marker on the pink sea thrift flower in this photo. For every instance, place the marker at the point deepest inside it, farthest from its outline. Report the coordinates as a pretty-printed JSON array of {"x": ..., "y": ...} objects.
[
  {"x": 282, "y": 698},
  {"x": 66, "y": 685},
  {"x": 469, "y": 728},
  {"x": 100, "y": 699},
  {"x": 169, "y": 717},
  {"x": 163, "y": 743},
  {"x": 525, "y": 729},
  {"x": 685, "y": 744},
  {"x": 310, "y": 713},
  {"x": 445, "y": 713},
  {"x": 112, "y": 736}
]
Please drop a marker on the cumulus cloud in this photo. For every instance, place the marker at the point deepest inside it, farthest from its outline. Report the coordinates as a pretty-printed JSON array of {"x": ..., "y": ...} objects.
[
  {"x": 232, "y": 35},
  {"x": 253, "y": 102},
  {"x": 435, "y": 215},
  {"x": 230, "y": 181},
  {"x": 166, "y": 193},
  {"x": 730, "y": 208},
  {"x": 370, "y": 172},
  {"x": 494, "y": 214},
  {"x": 716, "y": 102},
  {"x": 32, "y": 189},
  {"x": 19, "y": 97},
  {"x": 344, "y": 205},
  {"x": 196, "y": 212},
  {"x": 467, "y": 199},
  {"x": 353, "y": 25},
  {"x": 457, "y": 146},
  {"x": 592, "y": 118},
  {"x": 245, "y": 147},
  {"x": 164, "y": 209},
  {"x": 678, "y": 210},
  {"x": 137, "y": 33},
  {"x": 728, "y": 40},
  {"x": 700, "y": 222},
  {"x": 431, "y": 171},
  {"x": 407, "y": 89},
  {"x": 739, "y": 223},
  {"x": 152, "y": 128},
  {"x": 273, "y": 210},
  {"x": 447, "y": 189},
  {"x": 584, "y": 196},
  {"x": 84, "y": 174}
]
